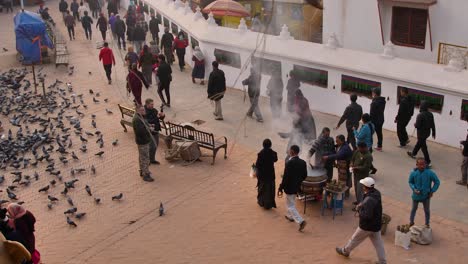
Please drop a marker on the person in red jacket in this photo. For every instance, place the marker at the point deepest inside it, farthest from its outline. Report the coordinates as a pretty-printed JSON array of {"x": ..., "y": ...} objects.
[
  {"x": 107, "y": 57},
  {"x": 180, "y": 43}
]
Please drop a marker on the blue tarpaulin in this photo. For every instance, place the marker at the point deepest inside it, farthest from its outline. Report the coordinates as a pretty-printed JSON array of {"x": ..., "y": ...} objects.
[{"x": 31, "y": 34}]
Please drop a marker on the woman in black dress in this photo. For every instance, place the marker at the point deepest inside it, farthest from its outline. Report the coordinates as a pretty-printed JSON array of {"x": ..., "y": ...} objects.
[{"x": 266, "y": 176}]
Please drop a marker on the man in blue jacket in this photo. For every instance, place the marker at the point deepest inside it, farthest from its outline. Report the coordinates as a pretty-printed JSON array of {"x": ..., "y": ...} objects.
[{"x": 424, "y": 183}]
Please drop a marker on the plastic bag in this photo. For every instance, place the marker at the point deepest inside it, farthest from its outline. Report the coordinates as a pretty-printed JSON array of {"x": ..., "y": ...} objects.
[
  {"x": 421, "y": 235},
  {"x": 253, "y": 171},
  {"x": 402, "y": 239}
]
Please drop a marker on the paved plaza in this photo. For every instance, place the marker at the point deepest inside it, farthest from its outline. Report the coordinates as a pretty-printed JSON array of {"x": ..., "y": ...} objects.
[{"x": 212, "y": 214}]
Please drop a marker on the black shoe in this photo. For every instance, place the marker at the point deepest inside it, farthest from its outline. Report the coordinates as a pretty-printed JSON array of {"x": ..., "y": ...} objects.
[
  {"x": 341, "y": 252},
  {"x": 289, "y": 218},
  {"x": 373, "y": 171},
  {"x": 302, "y": 225},
  {"x": 148, "y": 178},
  {"x": 411, "y": 154},
  {"x": 155, "y": 162}
]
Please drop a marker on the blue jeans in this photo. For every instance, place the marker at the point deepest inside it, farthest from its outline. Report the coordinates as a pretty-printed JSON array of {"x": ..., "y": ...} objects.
[{"x": 427, "y": 212}]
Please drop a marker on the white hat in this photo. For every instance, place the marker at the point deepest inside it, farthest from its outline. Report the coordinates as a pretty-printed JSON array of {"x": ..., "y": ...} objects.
[{"x": 368, "y": 182}]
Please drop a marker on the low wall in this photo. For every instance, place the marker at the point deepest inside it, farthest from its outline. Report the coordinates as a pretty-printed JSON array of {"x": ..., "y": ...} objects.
[{"x": 430, "y": 80}]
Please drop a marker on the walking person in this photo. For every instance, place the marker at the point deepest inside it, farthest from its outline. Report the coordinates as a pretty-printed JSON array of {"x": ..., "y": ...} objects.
[
  {"x": 81, "y": 9},
  {"x": 324, "y": 145},
  {"x": 253, "y": 90},
  {"x": 23, "y": 221},
  {"x": 370, "y": 222},
  {"x": 146, "y": 62},
  {"x": 63, "y": 8},
  {"x": 198, "y": 71},
  {"x": 164, "y": 74},
  {"x": 139, "y": 37},
  {"x": 361, "y": 164},
  {"x": 154, "y": 28},
  {"x": 365, "y": 133},
  {"x": 303, "y": 118},
  {"x": 377, "y": 117},
  {"x": 166, "y": 45},
  {"x": 351, "y": 115},
  {"x": 405, "y": 112},
  {"x": 142, "y": 138},
  {"x": 9, "y": 5},
  {"x": 86, "y": 22},
  {"x": 265, "y": 165},
  {"x": 107, "y": 57},
  {"x": 111, "y": 8},
  {"x": 70, "y": 24},
  {"x": 295, "y": 172},
  {"x": 292, "y": 86},
  {"x": 112, "y": 25},
  {"x": 131, "y": 57},
  {"x": 343, "y": 158},
  {"x": 153, "y": 117},
  {"x": 74, "y": 6},
  {"x": 424, "y": 183},
  {"x": 94, "y": 7},
  {"x": 102, "y": 24},
  {"x": 464, "y": 166},
  {"x": 120, "y": 28},
  {"x": 424, "y": 125},
  {"x": 180, "y": 44},
  {"x": 275, "y": 91},
  {"x": 135, "y": 82},
  {"x": 216, "y": 89}
]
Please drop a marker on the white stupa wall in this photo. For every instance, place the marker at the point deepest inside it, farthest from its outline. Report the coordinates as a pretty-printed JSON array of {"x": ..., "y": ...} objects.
[{"x": 390, "y": 72}]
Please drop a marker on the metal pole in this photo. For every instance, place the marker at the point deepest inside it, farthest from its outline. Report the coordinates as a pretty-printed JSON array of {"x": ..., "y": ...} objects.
[
  {"x": 34, "y": 76},
  {"x": 22, "y": 5},
  {"x": 43, "y": 87}
]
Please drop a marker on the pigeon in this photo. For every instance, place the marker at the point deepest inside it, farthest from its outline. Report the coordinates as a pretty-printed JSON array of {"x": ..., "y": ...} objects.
[
  {"x": 11, "y": 195},
  {"x": 2, "y": 179},
  {"x": 72, "y": 172},
  {"x": 99, "y": 153},
  {"x": 4, "y": 201},
  {"x": 91, "y": 91},
  {"x": 95, "y": 100},
  {"x": 74, "y": 156},
  {"x": 49, "y": 205},
  {"x": 90, "y": 73},
  {"x": 117, "y": 197},
  {"x": 79, "y": 215},
  {"x": 93, "y": 169},
  {"x": 108, "y": 111},
  {"x": 115, "y": 142},
  {"x": 88, "y": 190},
  {"x": 93, "y": 123},
  {"x": 161, "y": 209},
  {"x": 53, "y": 182},
  {"x": 65, "y": 191},
  {"x": 83, "y": 139},
  {"x": 71, "y": 211},
  {"x": 70, "y": 222},
  {"x": 44, "y": 189},
  {"x": 5, "y": 49},
  {"x": 106, "y": 100},
  {"x": 97, "y": 200},
  {"x": 52, "y": 199},
  {"x": 70, "y": 201},
  {"x": 36, "y": 176}
]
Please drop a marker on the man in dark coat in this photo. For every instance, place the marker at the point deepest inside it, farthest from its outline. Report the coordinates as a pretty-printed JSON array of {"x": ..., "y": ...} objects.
[
  {"x": 253, "y": 83},
  {"x": 165, "y": 77},
  {"x": 351, "y": 115},
  {"x": 292, "y": 86},
  {"x": 120, "y": 29},
  {"x": 63, "y": 7},
  {"x": 424, "y": 125},
  {"x": 86, "y": 22},
  {"x": 153, "y": 117},
  {"x": 166, "y": 45},
  {"x": 377, "y": 109},
  {"x": 142, "y": 138},
  {"x": 154, "y": 28},
  {"x": 216, "y": 89},
  {"x": 111, "y": 8},
  {"x": 295, "y": 172},
  {"x": 265, "y": 165},
  {"x": 464, "y": 166},
  {"x": 405, "y": 112},
  {"x": 74, "y": 9},
  {"x": 370, "y": 222}
]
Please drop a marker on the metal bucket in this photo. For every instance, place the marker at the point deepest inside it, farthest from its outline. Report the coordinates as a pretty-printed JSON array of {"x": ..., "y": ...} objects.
[{"x": 315, "y": 181}]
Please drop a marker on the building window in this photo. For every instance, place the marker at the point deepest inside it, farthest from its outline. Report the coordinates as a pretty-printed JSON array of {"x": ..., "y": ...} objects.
[
  {"x": 361, "y": 87},
  {"x": 311, "y": 76},
  {"x": 435, "y": 101},
  {"x": 175, "y": 28},
  {"x": 194, "y": 42},
  {"x": 266, "y": 66},
  {"x": 409, "y": 27},
  {"x": 228, "y": 58}
]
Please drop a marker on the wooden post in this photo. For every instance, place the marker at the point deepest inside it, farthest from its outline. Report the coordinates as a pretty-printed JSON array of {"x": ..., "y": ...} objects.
[
  {"x": 34, "y": 76},
  {"x": 43, "y": 88}
]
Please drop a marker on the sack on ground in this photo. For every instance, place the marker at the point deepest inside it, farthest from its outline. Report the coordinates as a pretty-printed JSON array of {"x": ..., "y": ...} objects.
[
  {"x": 402, "y": 239},
  {"x": 253, "y": 171},
  {"x": 421, "y": 235}
]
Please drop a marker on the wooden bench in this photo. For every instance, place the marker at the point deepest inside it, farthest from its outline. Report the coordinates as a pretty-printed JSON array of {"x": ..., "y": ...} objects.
[
  {"x": 61, "y": 54},
  {"x": 204, "y": 139},
  {"x": 127, "y": 116}
]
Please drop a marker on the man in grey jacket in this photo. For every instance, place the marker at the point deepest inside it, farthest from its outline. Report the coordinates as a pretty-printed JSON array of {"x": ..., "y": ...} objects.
[
  {"x": 253, "y": 84},
  {"x": 351, "y": 115}
]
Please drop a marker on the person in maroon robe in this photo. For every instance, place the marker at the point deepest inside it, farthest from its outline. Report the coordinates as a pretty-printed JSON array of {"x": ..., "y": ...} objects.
[{"x": 135, "y": 82}]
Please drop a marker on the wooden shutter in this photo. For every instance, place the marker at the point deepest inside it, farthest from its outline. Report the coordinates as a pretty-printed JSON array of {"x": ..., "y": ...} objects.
[
  {"x": 401, "y": 25},
  {"x": 418, "y": 27}
]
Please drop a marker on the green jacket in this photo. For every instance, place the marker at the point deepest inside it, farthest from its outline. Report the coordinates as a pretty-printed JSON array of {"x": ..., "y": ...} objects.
[
  {"x": 362, "y": 163},
  {"x": 140, "y": 128}
]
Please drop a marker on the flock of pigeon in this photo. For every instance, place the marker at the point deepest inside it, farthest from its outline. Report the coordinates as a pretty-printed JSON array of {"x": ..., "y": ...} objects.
[{"x": 40, "y": 141}]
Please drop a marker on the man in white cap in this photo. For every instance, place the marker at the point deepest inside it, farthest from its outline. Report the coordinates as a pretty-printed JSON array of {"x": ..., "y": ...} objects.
[{"x": 370, "y": 222}]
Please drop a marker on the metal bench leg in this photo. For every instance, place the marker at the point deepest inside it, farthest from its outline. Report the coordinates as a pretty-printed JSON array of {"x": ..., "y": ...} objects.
[
  {"x": 214, "y": 156},
  {"x": 124, "y": 127},
  {"x": 225, "y": 152},
  {"x": 305, "y": 202}
]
